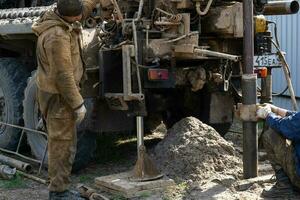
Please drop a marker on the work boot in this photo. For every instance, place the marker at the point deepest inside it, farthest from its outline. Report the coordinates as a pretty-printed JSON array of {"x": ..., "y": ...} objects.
[
  {"x": 282, "y": 188},
  {"x": 66, "y": 195}
]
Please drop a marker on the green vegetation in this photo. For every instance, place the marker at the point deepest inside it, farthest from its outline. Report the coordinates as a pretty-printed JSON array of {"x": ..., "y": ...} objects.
[
  {"x": 145, "y": 195},
  {"x": 86, "y": 178},
  {"x": 182, "y": 186},
  {"x": 16, "y": 182},
  {"x": 118, "y": 197}
]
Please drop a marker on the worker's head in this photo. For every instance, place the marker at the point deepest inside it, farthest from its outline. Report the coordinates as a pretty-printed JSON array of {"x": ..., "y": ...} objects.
[{"x": 70, "y": 10}]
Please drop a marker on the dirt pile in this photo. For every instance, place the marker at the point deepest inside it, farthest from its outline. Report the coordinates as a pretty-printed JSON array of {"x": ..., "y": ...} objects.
[{"x": 194, "y": 151}]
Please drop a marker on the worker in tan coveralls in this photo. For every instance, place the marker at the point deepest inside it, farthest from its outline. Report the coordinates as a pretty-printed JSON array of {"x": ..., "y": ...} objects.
[{"x": 60, "y": 70}]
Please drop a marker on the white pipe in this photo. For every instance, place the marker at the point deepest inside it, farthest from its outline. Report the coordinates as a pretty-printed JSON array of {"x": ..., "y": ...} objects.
[
  {"x": 198, "y": 8},
  {"x": 141, "y": 5}
]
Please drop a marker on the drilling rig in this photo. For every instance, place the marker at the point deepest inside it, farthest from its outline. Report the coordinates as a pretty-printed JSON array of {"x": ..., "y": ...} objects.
[{"x": 146, "y": 62}]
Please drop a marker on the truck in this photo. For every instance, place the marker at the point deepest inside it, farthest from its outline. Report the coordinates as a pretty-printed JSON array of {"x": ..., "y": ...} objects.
[{"x": 162, "y": 60}]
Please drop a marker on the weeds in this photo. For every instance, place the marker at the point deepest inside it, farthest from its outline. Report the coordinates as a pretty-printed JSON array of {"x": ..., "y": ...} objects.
[
  {"x": 85, "y": 178},
  {"x": 118, "y": 197},
  {"x": 16, "y": 182},
  {"x": 145, "y": 195}
]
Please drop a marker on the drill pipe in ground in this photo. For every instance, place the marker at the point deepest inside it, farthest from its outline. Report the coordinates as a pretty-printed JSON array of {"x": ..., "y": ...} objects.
[
  {"x": 250, "y": 143},
  {"x": 20, "y": 165}
]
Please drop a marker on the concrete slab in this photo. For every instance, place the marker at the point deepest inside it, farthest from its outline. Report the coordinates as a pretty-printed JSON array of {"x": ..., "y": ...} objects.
[{"x": 122, "y": 185}]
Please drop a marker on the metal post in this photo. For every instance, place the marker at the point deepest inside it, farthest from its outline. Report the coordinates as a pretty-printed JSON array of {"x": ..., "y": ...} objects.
[
  {"x": 140, "y": 131},
  {"x": 250, "y": 145}
]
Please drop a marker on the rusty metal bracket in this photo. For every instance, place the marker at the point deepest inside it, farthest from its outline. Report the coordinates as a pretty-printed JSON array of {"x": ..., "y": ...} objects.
[
  {"x": 128, "y": 94},
  {"x": 246, "y": 112}
]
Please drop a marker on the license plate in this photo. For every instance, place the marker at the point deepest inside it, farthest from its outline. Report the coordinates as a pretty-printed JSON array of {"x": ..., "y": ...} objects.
[{"x": 271, "y": 60}]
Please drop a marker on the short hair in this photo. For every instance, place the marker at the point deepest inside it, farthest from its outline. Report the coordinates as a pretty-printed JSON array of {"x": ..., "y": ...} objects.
[{"x": 70, "y": 7}]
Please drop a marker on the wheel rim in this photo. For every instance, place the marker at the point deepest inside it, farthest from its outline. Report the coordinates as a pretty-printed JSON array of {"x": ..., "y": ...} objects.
[{"x": 3, "y": 111}]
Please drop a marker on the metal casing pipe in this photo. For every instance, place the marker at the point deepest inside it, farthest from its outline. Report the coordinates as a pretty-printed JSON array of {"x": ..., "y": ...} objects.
[
  {"x": 281, "y": 7},
  {"x": 250, "y": 138},
  {"x": 250, "y": 143},
  {"x": 20, "y": 165}
]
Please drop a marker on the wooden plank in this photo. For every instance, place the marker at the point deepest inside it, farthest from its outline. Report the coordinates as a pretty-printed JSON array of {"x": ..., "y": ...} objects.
[
  {"x": 121, "y": 184},
  {"x": 247, "y": 183}
]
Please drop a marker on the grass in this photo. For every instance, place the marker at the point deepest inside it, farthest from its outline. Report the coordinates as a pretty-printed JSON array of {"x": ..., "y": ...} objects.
[
  {"x": 118, "y": 197},
  {"x": 145, "y": 195},
  {"x": 176, "y": 191},
  {"x": 182, "y": 186},
  {"x": 85, "y": 178},
  {"x": 16, "y": 182}
]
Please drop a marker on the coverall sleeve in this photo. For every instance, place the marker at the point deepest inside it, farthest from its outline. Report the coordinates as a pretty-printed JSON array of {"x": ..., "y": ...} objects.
[
  {"x": 58, "y": 51},
  {"x": 288, "y": 126}
]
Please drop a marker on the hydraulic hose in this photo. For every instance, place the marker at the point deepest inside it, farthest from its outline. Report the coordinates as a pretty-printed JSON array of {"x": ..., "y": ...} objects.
[{"x": 205, "y": 11}]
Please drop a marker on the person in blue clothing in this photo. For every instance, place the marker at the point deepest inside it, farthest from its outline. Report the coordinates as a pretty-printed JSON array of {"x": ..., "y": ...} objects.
[{"x": 282, "y": 144}]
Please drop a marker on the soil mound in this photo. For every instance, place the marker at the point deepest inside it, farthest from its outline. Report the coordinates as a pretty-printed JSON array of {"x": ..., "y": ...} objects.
[{"x": 194, "y": 151}]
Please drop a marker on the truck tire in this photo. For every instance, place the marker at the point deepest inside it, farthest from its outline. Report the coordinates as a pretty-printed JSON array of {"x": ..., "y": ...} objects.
[
  {"x": 12, "y": 83},
  {"x": 86, "y": 141}
]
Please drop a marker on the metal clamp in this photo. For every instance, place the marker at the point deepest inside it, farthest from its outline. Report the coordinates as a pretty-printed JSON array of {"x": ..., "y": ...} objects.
[
  {"x": 226, "y": 81},
  {"x": 246, "y": 112}
]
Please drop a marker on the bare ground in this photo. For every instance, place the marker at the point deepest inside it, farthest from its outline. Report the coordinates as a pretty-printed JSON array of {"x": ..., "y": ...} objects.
[{"x": 123, "y": 159}]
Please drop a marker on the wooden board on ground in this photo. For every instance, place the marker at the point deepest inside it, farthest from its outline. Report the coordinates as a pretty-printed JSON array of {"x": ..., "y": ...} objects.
[
  {"x": 122, "y": 185},
  {"x": 247, "y": 183}
]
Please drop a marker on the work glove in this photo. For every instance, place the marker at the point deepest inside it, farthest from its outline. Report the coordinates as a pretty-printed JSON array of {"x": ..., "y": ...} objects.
[
  {"x": 273, "y": 107},
  {"x": 80, "y": 114},
  {"x": 263, "y": 111}
]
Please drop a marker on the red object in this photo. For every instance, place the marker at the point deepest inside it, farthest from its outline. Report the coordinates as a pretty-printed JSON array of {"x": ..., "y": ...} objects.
[
  {"x": 261, "y": 72},
  {"x": 158, "y": 74}
]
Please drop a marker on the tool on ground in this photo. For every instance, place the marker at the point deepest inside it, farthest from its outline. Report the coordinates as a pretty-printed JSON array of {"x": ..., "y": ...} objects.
[
  {"x": 90, "y": 193},
  {"x": 7, "y": 172},
  {"x": 145, "y": 169},
  {"x": 35, "y": 178},
  {"x": 20, "y": 165}
]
